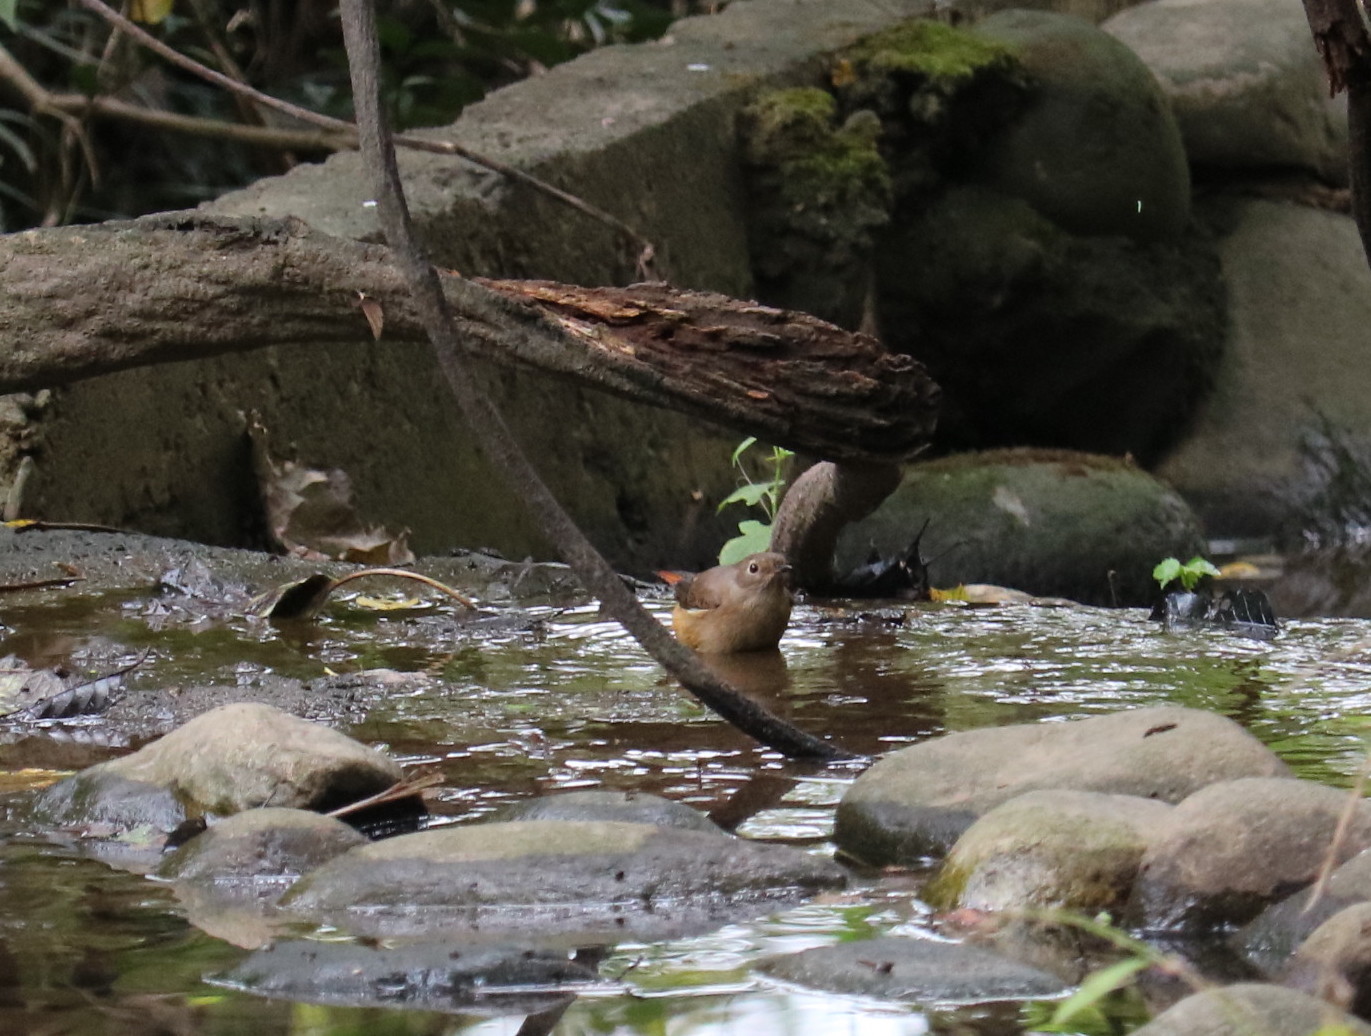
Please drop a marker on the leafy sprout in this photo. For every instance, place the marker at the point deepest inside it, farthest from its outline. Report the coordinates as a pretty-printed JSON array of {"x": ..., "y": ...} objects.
[
  {"x": 1189, "y": 574},
  {"x": 753, "y": 535}
]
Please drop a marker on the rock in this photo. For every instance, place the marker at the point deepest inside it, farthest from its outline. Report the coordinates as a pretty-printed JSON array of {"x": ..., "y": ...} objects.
[
  {"x": 1237, "y": 846},
  {"x": 104, "y": 804},
  {"x": 917, "y": 801},
  {"x": 630, "y": 807},
  {"x": 1098, "y": 151},
  {"x": 1055, "y": 849},
  {"x": 1050, "y": 523},
  {"x": 429, "y": 976},
  {"x": 231, "y": 758},
  {"x": 1253, "y": 463},
  {"x": 1270, "y": 939},
  {"x": 583, "y": 879},
  {"x": 895, "y": 968},
  {"x": 260, "y": 848},
  {"x": 1250, "y": 1007},
  {"x": 1040, "y": 336},
  {"x": 1247, "y": 86},
  {"x": 1334, "y": 963}
]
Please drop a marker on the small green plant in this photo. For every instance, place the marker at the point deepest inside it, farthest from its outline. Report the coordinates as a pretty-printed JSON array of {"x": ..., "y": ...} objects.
[
  {"x": 754, "y": 536},
  {"x": 1189, "y": 574}
]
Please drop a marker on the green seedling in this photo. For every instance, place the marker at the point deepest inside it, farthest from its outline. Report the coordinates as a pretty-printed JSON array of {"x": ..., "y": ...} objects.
[
  {"x": 753, "y": 535},
  {"x": 1188, "y": 574}
]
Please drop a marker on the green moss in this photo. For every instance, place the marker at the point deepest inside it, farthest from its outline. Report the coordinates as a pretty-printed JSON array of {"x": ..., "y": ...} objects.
[
  {"x": 818, "y": 164},
  {"x": 932, "y": 50}
]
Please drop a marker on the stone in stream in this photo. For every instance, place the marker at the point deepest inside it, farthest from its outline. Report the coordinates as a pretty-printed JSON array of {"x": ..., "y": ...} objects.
[
  {"x": 1334, "y": 963},
  {"x": 917, "y": 801},
  {"x": 582, "y": 882},
  {"x": 1252, "y": 1007},
  {"x": 226, "y": 760},
  {"x": 432, "y": 976},
  {"x": 1050, "y": 849},
  {"x": 1268, "y": 941},
  {"x": 1235, "y": 847},
  {"x": 896, "y": 968}
]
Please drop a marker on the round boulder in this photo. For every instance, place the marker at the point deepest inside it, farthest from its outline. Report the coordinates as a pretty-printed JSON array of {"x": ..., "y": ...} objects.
[
  {"x": 1244, "y": 80},
  {"x": 1250, "y": 1007},
  {"x": 1280, "y": 929},
  {"x": 916, "y": 802},
  {"x": 1041, "y": 336},
  {"x": 1278, "y": 443},
  {"x": 1237, "y": 846},
  {"x": 1052, "y": 523},
  {"x": 1053, "y": 849},
  {"x": 1334, "y": 963},
  {"x": 1097, "y": 151}
]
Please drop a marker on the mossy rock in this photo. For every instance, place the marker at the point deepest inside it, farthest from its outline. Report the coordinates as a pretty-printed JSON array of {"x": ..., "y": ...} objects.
[{"x": 1052, "y": 523}]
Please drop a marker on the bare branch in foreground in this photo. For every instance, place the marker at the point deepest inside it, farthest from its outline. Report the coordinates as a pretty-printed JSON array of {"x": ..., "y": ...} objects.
[{"x": 488, "y": 428}]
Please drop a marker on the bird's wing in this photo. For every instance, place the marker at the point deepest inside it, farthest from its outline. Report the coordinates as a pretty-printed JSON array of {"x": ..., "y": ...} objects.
[{"x": 703, "y": 590}]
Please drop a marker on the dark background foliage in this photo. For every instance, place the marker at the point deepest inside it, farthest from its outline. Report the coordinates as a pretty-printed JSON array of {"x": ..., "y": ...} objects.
[{"x": 439, "y": 57}]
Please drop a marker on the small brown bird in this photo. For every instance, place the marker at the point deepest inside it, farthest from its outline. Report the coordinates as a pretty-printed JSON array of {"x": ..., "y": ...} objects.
[{"x": 740, "y": 607}]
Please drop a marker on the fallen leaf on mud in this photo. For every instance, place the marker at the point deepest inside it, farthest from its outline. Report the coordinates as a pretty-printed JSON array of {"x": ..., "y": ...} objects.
[{"x": 309, "y": 513}]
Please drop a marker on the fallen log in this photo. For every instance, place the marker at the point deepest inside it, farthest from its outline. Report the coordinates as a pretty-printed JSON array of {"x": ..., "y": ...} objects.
[{"x": 77, "y": 302}]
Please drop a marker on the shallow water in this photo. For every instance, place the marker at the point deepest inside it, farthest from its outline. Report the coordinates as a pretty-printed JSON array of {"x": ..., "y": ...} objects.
[{"x": 574, "y": 704}]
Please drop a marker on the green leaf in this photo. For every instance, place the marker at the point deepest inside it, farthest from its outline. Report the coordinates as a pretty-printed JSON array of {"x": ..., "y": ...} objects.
[
  {"x": 750, "y": 494},
  {"x": 1166, "y": 571},
  {"x": 9, "y": 14},
  {"x": 754, "y": 537},
  {"x": 1097, "y": 987},
  {"x": 742, "y": 448},
  {"x": 1201, "y": 567}
]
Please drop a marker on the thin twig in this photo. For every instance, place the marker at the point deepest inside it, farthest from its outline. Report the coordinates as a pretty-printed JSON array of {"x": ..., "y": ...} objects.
[
  {"x": 401, "y": 573},
  {"x": 492, "y": 434},
  {"x": 646, "y": 250},
  {"x": 1339, "y": 839},
  {"x": 405, "y": 789}
]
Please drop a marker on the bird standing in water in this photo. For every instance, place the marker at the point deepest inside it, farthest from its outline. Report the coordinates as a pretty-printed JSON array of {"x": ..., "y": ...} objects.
[{"x": 731, "y": 608}]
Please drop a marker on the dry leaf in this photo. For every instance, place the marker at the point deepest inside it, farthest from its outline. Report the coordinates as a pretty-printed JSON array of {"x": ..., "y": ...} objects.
[
  {"x": 376, "y": 317},
  {"x": 843, "y": 73}
]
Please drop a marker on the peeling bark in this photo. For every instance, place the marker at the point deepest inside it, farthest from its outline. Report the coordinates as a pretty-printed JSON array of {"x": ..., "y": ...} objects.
[{"x": 77, "y": 302}]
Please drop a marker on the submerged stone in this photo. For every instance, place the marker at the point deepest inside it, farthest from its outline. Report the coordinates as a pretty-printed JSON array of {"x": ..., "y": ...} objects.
[
  {"x": 630, "y": 807},
  {"x": 895, "y": 968},
  {"x": 916, "y": 802},
  {"x": 431, "y": 976},
  {"x": 592, "y": 877}
]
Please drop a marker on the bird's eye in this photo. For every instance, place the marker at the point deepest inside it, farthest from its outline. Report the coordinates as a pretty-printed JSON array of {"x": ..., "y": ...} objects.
[{"x": 754, "y": 567}]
